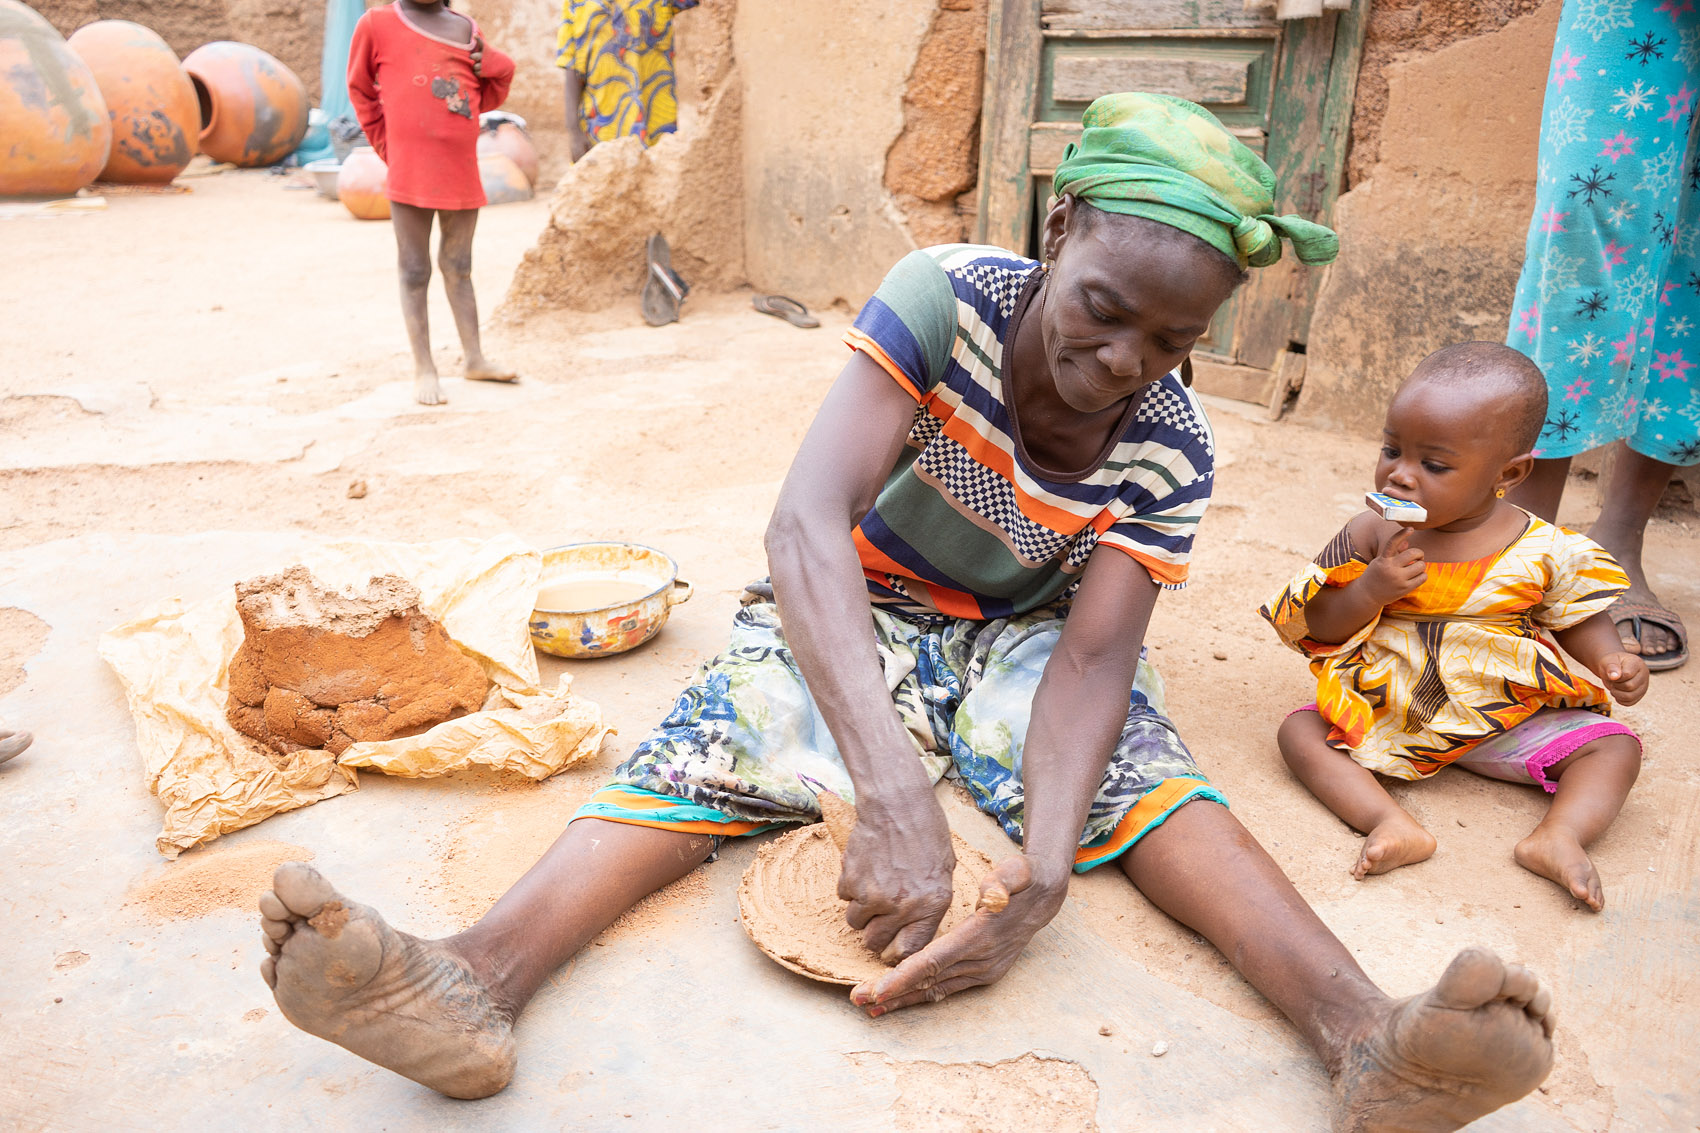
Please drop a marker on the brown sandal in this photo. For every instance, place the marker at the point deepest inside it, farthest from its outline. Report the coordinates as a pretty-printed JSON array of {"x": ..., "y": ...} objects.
[{"x": 1637, "y": 613}]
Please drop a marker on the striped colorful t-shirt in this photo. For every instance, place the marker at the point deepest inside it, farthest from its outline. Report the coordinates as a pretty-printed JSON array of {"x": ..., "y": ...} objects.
[{"x": 964, "y": 526}]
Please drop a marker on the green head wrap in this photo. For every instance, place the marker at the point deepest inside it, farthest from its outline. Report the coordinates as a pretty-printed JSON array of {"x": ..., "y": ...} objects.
[{"x": 1170, "y": 160}]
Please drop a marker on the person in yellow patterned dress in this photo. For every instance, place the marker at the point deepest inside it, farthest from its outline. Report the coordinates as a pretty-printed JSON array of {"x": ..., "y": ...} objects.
[
  {"x": 1440, "y": 641},
  {"x": 617, "y": 56}
]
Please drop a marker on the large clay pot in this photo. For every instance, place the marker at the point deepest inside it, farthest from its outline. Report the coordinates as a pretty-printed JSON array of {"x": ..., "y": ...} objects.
[
  {"x": 363, "y": 185},
  {"x": 253, "y": 108},
  {"x": 54, "y": 134},
  {"x": 504, "y": 181},
  {"x": 156, "y": 119},
  {"x": 513, "y": 142}
]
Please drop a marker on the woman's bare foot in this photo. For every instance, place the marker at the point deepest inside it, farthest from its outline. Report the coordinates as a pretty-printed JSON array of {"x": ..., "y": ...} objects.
[
  {"x": 1555, "y": 854},
  {"x": 1479, "y": 1039},
  {"x": 12, "y": 743},
  {"x": 412, "y": 1006},
  {"x": 488, "y": 371},
  {"x": 1395, "y": 841},
  {"x": 427, "y": 391}
]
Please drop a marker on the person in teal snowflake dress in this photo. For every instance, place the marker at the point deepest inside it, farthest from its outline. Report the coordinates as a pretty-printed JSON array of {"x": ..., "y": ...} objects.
[{"x": 1608, "y": 303}]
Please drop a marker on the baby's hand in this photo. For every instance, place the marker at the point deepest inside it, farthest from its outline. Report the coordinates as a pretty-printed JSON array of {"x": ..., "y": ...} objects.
[
  {"x": 1397, "y": 569},
  {"x": 1625, "y": 675}
]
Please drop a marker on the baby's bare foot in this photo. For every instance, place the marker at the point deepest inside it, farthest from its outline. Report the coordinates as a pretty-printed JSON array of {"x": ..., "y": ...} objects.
[
  {"x": 1556, "y": 855},
  {"x": 488, "y": 371},
  {"x": 412, "y": 1006},
  {"x": 1479, "y": 1039},
  {"x": 426, "y": 390},
  {"x": 1397, "y": 841}
]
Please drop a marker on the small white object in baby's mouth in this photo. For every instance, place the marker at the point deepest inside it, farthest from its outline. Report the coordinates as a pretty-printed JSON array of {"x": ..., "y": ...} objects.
[{"x": 1390, "y": 507}]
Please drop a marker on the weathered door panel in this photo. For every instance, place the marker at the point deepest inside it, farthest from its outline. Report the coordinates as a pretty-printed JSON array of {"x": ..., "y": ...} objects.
[{"x": 1284, "y": 88}]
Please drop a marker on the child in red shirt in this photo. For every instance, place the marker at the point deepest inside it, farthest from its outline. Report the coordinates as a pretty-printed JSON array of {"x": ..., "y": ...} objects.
[{"x": 419, "y": 76}]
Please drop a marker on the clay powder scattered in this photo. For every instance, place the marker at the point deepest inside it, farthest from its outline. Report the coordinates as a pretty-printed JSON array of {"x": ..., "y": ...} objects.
[
  {"x": 207, "y": 881},
  {"x": 790, "y": 906}
]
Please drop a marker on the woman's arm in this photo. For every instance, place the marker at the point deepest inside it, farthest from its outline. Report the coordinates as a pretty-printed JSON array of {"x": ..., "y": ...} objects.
[
  {"x": 1079, "y": 711},
  {"x": 897, "y": 867}
]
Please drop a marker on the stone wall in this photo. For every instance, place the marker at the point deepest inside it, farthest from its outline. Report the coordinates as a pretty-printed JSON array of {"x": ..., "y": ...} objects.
[{"x": 1432, "y": 230}]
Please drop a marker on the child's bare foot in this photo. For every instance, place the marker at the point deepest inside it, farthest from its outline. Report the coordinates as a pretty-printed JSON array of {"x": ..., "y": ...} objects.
[
  {"x": 1555, "y": 854},
  {"x": 426, "y": 390},
  {"x": 1479, "y": 1039},
  {"x": 409, "y": 1005},
  {"x": 12, "y": 742},
  {"x": 1396, "y": 841},
  {"x": 488, "y": 371}
]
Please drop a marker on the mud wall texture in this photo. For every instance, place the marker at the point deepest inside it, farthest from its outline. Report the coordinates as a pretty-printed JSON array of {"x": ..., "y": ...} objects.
[
  {"x": 688, "y": 187},
  {"x": 292, "y": 30},
  {"x": 823, "y": 88},
  {"x": 526, "y": 30},
  {"x": 816, "y": 147},
  {"x": 1432, "y": 230}
]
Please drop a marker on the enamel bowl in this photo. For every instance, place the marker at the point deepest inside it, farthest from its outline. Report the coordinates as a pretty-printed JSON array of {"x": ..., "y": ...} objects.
[{"x": 639, "y": 587}]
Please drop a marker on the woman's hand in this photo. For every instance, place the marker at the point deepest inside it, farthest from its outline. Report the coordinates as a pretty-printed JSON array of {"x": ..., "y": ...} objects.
[
  {"x": 478, "y": 55},
  {"x": 897, "y": 871},
  {"x": 977, "y": 951},
  {"x": 1625, "y": 675},
  {"x": 1397, "y": 569}
]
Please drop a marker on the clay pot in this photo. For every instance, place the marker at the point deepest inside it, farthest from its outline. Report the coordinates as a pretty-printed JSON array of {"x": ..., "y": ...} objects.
[
  {"x": 363, "y": 185},
  {"x": 156, "y": 119},
  {"x": 504, "y": 181},
  {"x": 52, "y": 117},
  {"x": 513, "y": 142},
  {"x": 253, "y": 108}
]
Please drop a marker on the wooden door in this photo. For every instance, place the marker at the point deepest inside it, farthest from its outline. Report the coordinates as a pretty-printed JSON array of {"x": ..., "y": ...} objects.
[{"x": 1283, "y": 87}]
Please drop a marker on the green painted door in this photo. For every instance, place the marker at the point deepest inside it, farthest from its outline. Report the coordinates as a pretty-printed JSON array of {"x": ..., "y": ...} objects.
[{"x": 1283, "y": 87}]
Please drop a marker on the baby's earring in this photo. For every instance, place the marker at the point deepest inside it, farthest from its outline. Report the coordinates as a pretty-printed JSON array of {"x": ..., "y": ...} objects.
[{"x": 1499, "y": 493}]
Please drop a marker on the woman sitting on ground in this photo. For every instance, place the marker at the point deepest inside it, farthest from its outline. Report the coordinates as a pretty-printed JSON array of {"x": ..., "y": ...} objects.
[{"x": 964, "y": 558}]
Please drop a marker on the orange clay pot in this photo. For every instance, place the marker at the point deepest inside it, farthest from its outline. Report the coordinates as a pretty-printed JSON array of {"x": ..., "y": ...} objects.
[
  {"x": 253, "y": 108},
  {"x": 156, "y": 118},
  {"x": 504, "y": 181},
  {"x": 54, "y": 133},
  {"x": 363, "y": 184},
  {"x": 514, "y": 143}
]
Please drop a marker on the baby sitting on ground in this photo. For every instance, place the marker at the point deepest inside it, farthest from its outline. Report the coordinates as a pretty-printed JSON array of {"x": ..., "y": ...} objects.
[{"x": 1437, "y": 641}]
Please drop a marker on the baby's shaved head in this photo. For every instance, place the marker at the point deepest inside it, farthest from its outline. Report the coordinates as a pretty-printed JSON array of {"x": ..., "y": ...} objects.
[{"x": 1508, "y": 386}]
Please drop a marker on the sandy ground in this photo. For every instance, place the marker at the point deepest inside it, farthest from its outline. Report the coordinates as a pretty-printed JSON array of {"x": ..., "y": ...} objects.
[{"x": 189, "y": 386}]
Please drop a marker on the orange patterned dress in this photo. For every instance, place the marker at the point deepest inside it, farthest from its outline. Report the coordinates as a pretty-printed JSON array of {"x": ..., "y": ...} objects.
[{"x": 1465, "y": 657}]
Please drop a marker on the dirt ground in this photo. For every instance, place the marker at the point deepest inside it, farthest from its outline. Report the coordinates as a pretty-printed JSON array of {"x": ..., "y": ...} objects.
[{"x": 191, "y": 383}]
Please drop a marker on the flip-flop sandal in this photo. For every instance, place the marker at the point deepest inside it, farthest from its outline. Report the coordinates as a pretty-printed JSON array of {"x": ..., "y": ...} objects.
[
  {"x": 1637, "y": 613},
  {"x": 783, "y": 307},
  {"x": 663, "y": 290}
]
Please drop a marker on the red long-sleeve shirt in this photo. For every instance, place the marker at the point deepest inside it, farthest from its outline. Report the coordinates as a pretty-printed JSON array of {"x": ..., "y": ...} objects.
[{"x": 418, "y": 100}]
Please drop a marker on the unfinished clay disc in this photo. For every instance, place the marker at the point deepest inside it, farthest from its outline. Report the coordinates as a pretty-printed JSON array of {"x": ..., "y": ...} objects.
[{"x": 790, "y": 906}]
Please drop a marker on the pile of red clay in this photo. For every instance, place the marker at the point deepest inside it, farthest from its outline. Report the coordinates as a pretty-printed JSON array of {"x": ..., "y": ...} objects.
[
  {"x": 319, "y": 669},
  {"x": 789, "y": 904}
]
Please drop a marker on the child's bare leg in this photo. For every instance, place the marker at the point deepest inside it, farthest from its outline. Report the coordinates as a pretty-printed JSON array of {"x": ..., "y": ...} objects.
[
  {"x": 442, "y": 1011},
  {"x": 1352, "y": 793},
  {"x": 413, "y": 261},
  {"x": 1593, "y": 781},
  {"x": 454, "y": 257}
]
